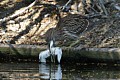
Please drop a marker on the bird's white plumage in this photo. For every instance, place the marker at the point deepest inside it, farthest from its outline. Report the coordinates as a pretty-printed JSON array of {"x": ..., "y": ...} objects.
[
  {"x": 57, "y": 51},
  {"x": 53, "y": 51},
  {"x": 43, "y": 55}
]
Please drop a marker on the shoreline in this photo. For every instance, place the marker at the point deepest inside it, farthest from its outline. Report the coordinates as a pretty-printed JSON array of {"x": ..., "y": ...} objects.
[{"x": 23, "y": 51}]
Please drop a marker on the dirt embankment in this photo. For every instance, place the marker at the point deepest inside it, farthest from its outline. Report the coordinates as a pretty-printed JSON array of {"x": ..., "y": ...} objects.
[{"x": 31, "y": 26}]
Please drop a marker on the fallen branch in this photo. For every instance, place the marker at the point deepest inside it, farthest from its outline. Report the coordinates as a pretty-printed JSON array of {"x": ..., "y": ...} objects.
[
  {"x": 17, "y": 13},
  {"x": 103, "y": 7},
  {"x": 25, "y": 51},
  {"x": 63, "y": 8}
]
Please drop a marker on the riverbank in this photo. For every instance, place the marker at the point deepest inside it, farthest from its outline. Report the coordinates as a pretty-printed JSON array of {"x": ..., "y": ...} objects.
[
  {"x": 28, "y": 26},
  {"x": 31, "y": 52}
]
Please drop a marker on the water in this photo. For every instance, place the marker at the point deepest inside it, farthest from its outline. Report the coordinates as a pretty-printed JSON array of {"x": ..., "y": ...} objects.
[{"x": 74, "y": 71}]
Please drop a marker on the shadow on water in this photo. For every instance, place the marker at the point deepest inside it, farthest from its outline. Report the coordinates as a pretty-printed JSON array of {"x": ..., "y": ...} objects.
[{"x": 78, "y": 71}]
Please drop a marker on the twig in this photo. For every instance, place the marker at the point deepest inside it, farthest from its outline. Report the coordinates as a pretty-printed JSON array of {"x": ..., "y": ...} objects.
[
  {"x": 103, "y": 7},
  {"x": 66, "y": 5},
  {"x": 18, "y": 13}
]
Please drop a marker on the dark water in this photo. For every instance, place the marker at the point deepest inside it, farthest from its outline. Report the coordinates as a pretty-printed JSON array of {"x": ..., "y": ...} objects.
[{"x": 77, "y": 71}]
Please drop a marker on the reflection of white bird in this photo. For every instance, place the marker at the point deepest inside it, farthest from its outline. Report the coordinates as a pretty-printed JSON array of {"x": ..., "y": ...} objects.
[
  {"x": 51, "y": 52},
  {"x": 52, "y": 72}
]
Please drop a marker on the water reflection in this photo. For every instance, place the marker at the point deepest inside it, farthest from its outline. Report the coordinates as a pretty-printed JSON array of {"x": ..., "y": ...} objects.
[
  {"x": 19, "y": 71},
  {"x": 80, "y": 71},
  {"x": 91, "y": 71},
  {"x": 50, "y": 71}
]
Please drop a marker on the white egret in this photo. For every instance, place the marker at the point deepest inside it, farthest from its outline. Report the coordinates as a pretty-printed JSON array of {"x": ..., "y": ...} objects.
[
  {"x": 52, "y": 51},
  {"x": 43, "y": 55},
  {"x": 56, "y": 51}
]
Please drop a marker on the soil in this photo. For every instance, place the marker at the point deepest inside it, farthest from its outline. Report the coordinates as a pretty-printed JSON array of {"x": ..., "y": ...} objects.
[{"x": 35, "y": 24}]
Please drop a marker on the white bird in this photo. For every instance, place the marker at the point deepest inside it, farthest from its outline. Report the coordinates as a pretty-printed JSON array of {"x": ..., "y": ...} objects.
[
  {"x": 56, "y": 51},
  {"x": 52, "y": 51},
  {"x": 43, "y": 55}
]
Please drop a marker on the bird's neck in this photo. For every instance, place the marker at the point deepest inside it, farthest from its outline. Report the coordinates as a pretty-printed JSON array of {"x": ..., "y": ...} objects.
[{"x": 51, "y": 43}]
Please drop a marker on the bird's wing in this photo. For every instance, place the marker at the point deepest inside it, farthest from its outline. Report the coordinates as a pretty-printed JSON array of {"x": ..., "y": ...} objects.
[{"x": 59, "y": 54}]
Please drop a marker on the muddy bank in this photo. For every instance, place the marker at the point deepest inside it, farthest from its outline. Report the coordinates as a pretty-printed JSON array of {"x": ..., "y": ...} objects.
[
  {"x": 33, "y": 25},
  {"x": 29, "y": 32},
  {"x": 31, "y": 52}
]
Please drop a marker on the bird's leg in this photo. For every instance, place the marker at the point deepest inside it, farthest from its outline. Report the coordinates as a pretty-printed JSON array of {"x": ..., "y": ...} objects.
[
  {"x": 51, "y": 55},
  {"x": 54, "y": 56},
  {"x": 51, "y": 58}
]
